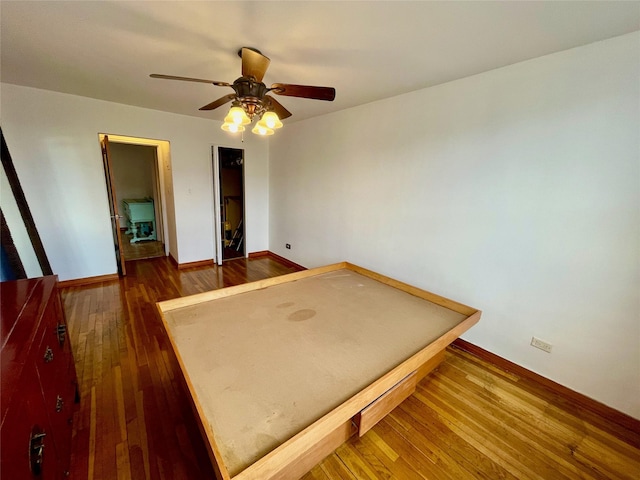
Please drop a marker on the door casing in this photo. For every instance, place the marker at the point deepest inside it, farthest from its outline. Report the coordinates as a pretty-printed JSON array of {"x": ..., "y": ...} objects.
[
  {"x": 162, "y": 158},
  {"x": 217, "y": 190}
]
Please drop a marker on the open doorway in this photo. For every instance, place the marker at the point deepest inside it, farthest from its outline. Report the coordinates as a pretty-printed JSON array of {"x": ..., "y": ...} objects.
[
  {"x": 139, "y": 187},
  {"x": 137, "y": 193},
  {"x": 230, "y": 182}
]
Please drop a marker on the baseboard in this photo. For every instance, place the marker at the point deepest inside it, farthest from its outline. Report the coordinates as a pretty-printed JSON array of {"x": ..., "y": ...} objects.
[
  {"x": 79, "y": 282},
  {"x": 604, "y": 411},
  {"x": 251, "y": 256},
  {"x": 275, "y": 256},
  {"x": 262, "y": 253},
  {"x": 201, "y": 263}
]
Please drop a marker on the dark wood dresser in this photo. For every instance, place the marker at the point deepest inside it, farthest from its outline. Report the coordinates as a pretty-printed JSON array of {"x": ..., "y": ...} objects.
[{"x": 39, "y": 390}]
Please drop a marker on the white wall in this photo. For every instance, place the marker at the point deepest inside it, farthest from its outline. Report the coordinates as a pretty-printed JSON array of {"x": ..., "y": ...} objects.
[
  {"x": 516, "y": 191},
  {"x": 53, "y": 139}
]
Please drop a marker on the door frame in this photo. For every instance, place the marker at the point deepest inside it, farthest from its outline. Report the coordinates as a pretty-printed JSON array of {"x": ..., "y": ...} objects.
[
  {"x": 113, "y": 205},
  {"x": 163, "y": 158},
  {"x": 217, "y": 219}
]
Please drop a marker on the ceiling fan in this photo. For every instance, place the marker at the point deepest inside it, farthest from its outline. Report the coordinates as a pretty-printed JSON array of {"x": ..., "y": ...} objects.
[{"x": 250, "y": 97}]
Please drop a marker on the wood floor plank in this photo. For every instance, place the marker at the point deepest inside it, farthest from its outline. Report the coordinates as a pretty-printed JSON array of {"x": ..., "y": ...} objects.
[
  {"x": 334, "y": 468},
  {"x": 92, "y": 435},
  {"x": 468, "y": 419},
  {"x": 457, "y": 449},
  {"x": 610, "y": 462},
  {"x": 421, "y": 461},
  {"x": 512, "y": 429},
  {"x": 361, "y": 468},
  {"x": 371, "y": 444},
  {"x": 569, "y": 411},
  {"x": 144, "y": 440},
  {"x": 381, "y": 445},
  {"x": 482, "y": 439},
  {"x": 555, "y": 432},
  {"x": 123, "y": 464},
  {"x": 549, "y": 441}
]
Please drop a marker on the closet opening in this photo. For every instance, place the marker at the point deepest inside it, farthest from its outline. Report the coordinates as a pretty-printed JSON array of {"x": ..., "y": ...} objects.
[{"x": 230, "y": 212}]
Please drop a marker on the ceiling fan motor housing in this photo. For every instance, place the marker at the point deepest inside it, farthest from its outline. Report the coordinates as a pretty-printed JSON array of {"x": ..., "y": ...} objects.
[{"x": 251, "y": 94}]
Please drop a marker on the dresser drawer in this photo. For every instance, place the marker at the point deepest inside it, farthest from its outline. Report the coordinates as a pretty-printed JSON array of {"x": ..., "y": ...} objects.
[
  {"x": 389, "y": 400},
  {"x": 39, "y": 390},
  {"x": 26, "y": 417}
]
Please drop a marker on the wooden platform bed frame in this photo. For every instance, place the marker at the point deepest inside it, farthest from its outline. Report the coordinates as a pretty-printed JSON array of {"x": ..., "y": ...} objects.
[{"x": 284, "y": 370}]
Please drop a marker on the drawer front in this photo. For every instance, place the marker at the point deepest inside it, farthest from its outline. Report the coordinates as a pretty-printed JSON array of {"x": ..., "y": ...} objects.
[
  {"x": 60, "y": 413},
  {"x": 25, "y": 418},
  {"x": 56, "y": 374},
  {"x": 389, "y": 400},
  {"x": 19, "y": 330},
  {"x": 52, "y": 357}
]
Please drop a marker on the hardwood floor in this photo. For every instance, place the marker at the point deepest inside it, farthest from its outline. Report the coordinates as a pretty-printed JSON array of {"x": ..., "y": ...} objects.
[
  {"x": 141, "y": 250},
  {"x": 135, "y": 419},
  {"x": 470, "y": 420},
  {"x": 467, "y": 420}
]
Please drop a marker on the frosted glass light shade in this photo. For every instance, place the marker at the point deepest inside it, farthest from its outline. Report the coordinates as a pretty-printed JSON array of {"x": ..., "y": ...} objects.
[
  {"x": 270, "y": 120},
  {"x": 232, "y": 127},
  {"x": 262, "y": 130},
  {"x": 238, "y": 116}
]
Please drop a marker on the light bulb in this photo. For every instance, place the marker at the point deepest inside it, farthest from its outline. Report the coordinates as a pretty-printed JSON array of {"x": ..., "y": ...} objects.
[
  {"x": 270, "y": 120},
  {"x": 262, "y": 130},
  {"x": 238, "y": 116},
  {"x": 232, "y": 127}
]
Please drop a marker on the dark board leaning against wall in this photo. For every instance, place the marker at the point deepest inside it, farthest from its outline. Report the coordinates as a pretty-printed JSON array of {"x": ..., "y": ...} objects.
[{"x": 14, "y": 265}]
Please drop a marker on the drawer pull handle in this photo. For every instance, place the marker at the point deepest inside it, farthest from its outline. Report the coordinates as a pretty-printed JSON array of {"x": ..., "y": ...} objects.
[
  {"x": 61, "y": 331},
  {"x": 36, "y": 450},
  {"x": 59, "y": 404},
  {"x": 48, "y": 355}
]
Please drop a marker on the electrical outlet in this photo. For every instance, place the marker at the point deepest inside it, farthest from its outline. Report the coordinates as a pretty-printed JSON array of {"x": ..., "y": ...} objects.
[
  {"x": 536, "y": 342},
  {"x": 288, "y": 246}
]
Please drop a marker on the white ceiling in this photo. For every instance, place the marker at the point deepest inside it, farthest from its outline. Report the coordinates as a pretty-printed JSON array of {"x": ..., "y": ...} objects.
[{"x": 367, "y": 50}]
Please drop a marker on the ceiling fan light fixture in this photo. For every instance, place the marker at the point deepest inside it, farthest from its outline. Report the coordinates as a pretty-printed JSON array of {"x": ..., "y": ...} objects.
[
  {"x": 262, "y": 130},
  {"x": 232, "y": 127},
  {"x": 238, "y": 116},
  {"x": 250, "y": 98},
  {"x": 270, "y": 120}
]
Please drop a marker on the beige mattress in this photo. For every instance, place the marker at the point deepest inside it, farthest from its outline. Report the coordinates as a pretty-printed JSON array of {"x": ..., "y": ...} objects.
[{"x": 267, "y": 363}]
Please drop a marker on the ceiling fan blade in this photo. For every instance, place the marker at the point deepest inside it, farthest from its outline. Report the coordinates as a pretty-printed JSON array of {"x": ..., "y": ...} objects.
[
  {"x": 219, "y": 102},
  {"x": 278, "y": 108},
  {"x": 254, "y": 64},
  {"x": 304, "y": 91},
  {"x": 189, "y": 79}
]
